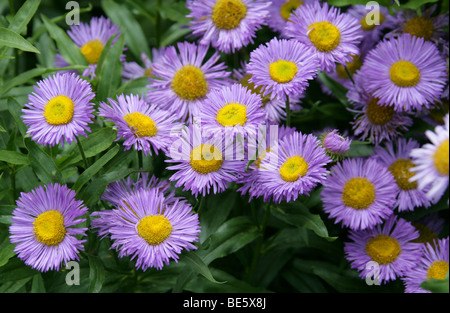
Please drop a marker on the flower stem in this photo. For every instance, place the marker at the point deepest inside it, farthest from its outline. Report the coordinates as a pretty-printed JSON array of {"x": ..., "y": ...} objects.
[
  {"x": 80, "y": 147},
  {"x": 348, "y": 74}
]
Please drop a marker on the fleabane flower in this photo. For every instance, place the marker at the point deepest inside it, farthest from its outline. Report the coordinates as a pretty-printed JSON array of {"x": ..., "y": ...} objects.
[
  {"x": 283, "y": 68},
  {"x": 142, "y": 126},
  {"x": 336, "y": 146},
  {"x": 434, "y": 264},
  {"x": 227, "y": 25},
  {"x": 182, "y": 78},
  {"x": 395, "y": 156},
  {"x": 432, "y": 162},
  {"x": 332, "y": 35},
  {"x": 389, "y": 245},
  {"x": 45, "y": 227},
  {"x": 59, "y": 109},
  {"x": 146, "y": 228},
  {"x": 406, "y": 73},
  {"x": 280, "y": 12},
  {"x": 360, "y": 193}
]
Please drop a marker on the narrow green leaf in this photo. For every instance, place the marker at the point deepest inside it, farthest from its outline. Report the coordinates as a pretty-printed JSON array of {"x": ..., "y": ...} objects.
[
  {"x": 416, "y": 4},
  {"x": 24, "y": 16},
  {"x": 14, "y": 109},
  {"x": 42, "y": 163},
  {"x": 68, "y": 49},
  {"x": 94, "y": 168},
  {"x": 96, "y": 274},
  {"x": 197, "y": 265},
  {"x": 37, "y": 284},
  {"x": 339, "y": 91},
  {"x": 6, "y": 253},
  {"x": 13, "y": 157},
  {"x": 11, "y": 39}
]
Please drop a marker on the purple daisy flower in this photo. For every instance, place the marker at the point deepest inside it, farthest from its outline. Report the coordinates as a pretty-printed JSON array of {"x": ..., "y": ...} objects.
[
  {"x": 283, "y": 67},
  {"x": 389, "y": 245},
  {"x": 335, "y": 145},
  {"x": 333, "y": 36},
  {"x": 232, "y": 110},
  {"x": 434, "y": 263},
  {"x": 372, "y": 120},
  {"x": 432, "y": 160},
  {"x": 294, "y": 167},
  {"x": 204, "y": 163},
  {"x": 42, "y": 227},
  {"x": 395, "y": 156},
  {"x": 360, "y": 193},
  {"x": 133, "y": 70},
  {"x": 406, "y": 73},
  {"x": 143, "y": 127},
  {"x": 280, "y": 12},
  {"x": 182, "y": 80},
  {"x": 148, "y": 229},
  {"x": 91, "y": 38},
  {"x": 59, "y": 109},
  {"x": 227, "y": 25}
]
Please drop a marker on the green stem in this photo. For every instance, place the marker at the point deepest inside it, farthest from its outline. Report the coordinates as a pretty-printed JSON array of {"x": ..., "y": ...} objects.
[
  {"x": 348, "y": 74},
  {"x": 140, "y": 162},
  {"x": 288, "y": 112},
  {"x": 12, "y": 176},
  {"x": 158, "y": 23},
  {"x": 80, "y": 147}
]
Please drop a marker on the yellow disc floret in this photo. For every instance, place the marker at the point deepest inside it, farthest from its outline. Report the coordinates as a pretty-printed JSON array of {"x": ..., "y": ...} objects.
[
  {"x": 227, "y": 14},
  {"x": 142, "y": 125},
  {"x": 425, "y": 233},
  {"x": 293, "y": 168},
  {"x": 92, "y": 51},
  {"x": 438, "y": 270},
  {"x": 383, "y": 249},
  {"x": 358, "y": 193},
  {"x": 282, "y": 71},
  {"x": 206, "y": 158},
  {"x": 441, "y": 156},
  {"x": 379, "y": 114},
  {"x": 59, "y": 110},
  {"x": 324, "y": 36},
  {"x": 189, "y": 83},
  {"x": 288, "y": 7},
  {"x": 420, "y": 27},
  {"x": 400, "y": 170},
  {"x": 232, "y": 114},
  {"x": 154, "y": 229},
  {"x": 404, "y": 74},
  {"x": 49, "y": 228}
]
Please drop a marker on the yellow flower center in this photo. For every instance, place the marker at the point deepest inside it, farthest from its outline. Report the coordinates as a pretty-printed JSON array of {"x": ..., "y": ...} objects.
[
  {"x": 358, "y": 193},
  {"x": 438, "y": 270},
  {"x": 419, "y": 27},
  {"x": 425, "y": 233},
  {"x": 352, "y": 67},
  {"x": 288, "y": 7},
  {"x": 232, "y": 114},
  {"x": 293, "y": 168},
  {"x": 227, "y": 14},
  {"x": 49, "y": 228},
  {"x": 400, "y": 171},
  {"x": 142, "y": 125},
  {"x": 189, "y": 83},
  {"x": 404, "y": 74},
  {"x": 92, "y": 51},
  {"x": 324, "y": 35},
  {"x": 282, "y": 71},
  {"x": 441, "y": 158},
  {"x": 59, "y": 110},
  {"x": 383, "y": 249},
  {"x": 154, "y": 229},
  {"x": 370, "y": 26},
  {"x": 379, "y": 114},
  {"x": 206, "y": 158},
  {"x": 258, "y": 90},
  {"x": 148, "y": 72}
]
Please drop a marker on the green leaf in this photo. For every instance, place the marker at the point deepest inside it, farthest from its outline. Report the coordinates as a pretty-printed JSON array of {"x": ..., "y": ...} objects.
[
  {"x": 94, "y": 168},
  {"x": 11, "y": 39},
  {"x": 197, "y": 265},
  {"x": 24, "y": 16},
  {"x": 42, "y": 163},
  {"x": 360, "y": 148},
  {"x": 14, "y": 109},
  {"x": 14, "y": 157},
  {"x": 68, "y": 49},
  {"x": 297, "y": 214},
  {"x": 339, "y": 91},
  {"x": 6, "y": 252},
  {"x": 416, "y": 4},
  {"x": 436, "y": 285},
  {"x": 129, "y": 26},
  {"x": 109, "y": 70},
  {"x": 96, "y": 274},
  {"x": 37, "y": 284}
]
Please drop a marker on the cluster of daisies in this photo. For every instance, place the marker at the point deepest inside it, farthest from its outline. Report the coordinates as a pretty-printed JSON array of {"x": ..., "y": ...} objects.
[{"x": 218, "y": 127}]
